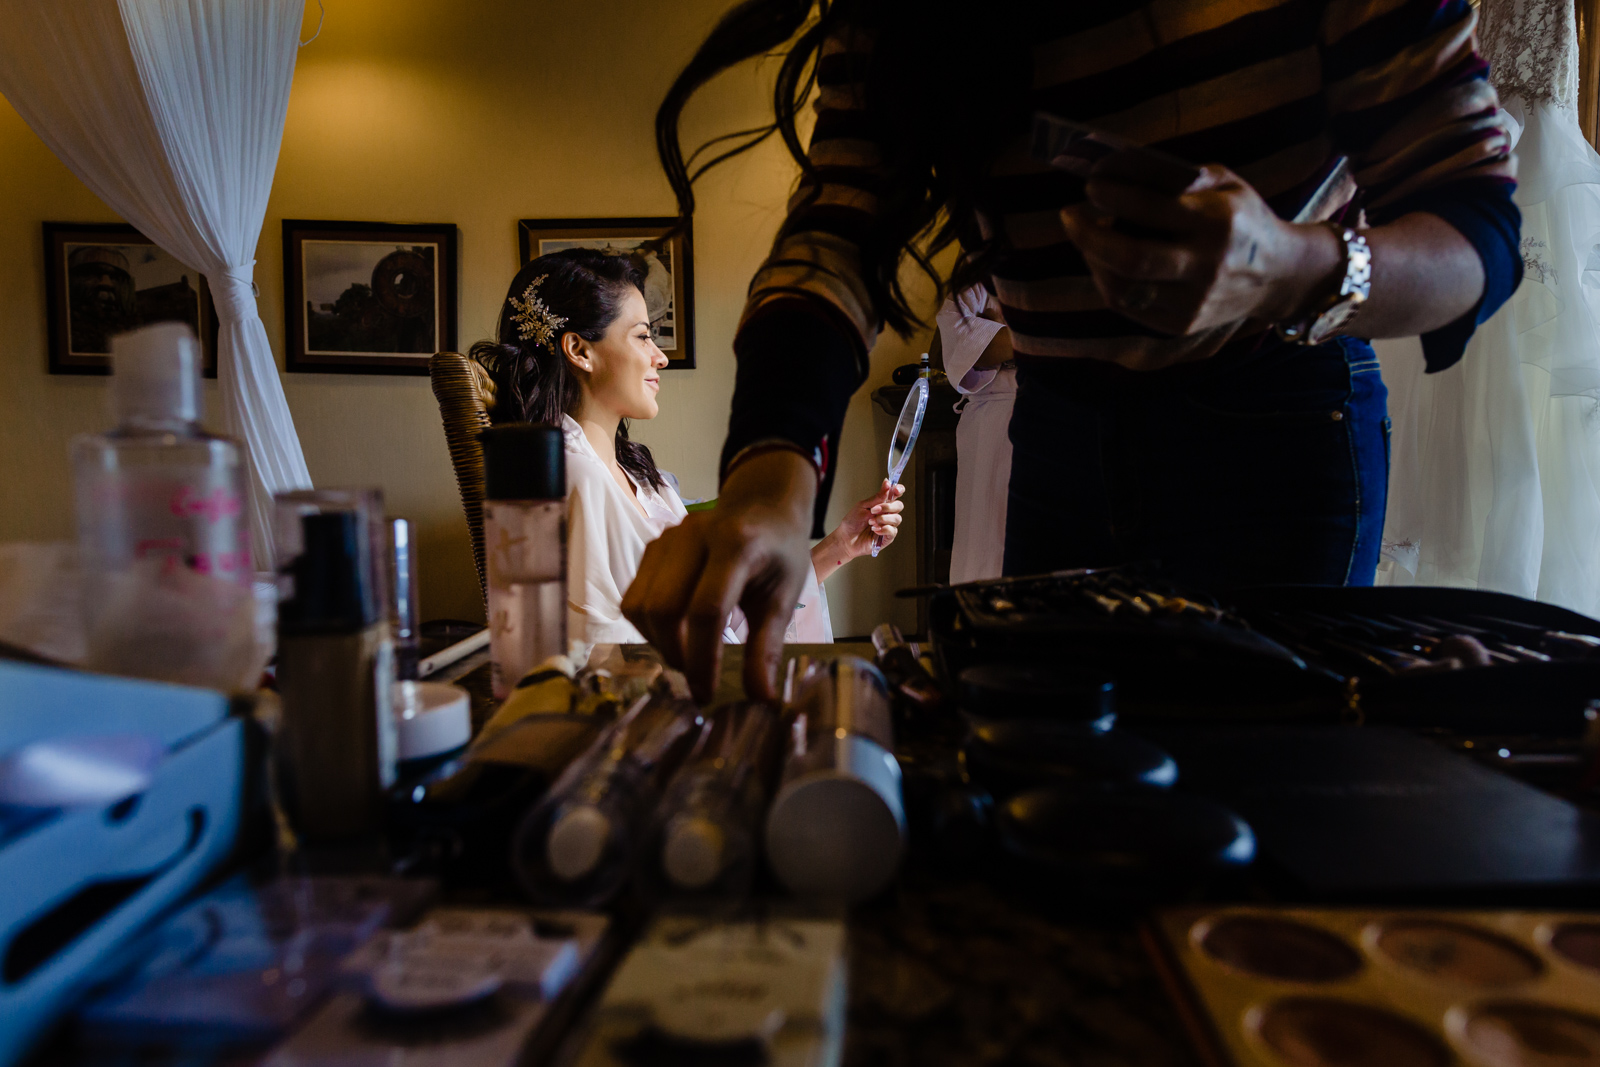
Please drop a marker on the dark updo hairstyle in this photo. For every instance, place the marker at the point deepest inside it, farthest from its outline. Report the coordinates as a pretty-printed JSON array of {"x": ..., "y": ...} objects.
[{"x": 533, "y": 381}]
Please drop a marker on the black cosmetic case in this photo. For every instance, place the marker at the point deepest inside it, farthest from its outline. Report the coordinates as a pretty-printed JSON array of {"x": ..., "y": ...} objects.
[{"x": 1281, "y": 652}]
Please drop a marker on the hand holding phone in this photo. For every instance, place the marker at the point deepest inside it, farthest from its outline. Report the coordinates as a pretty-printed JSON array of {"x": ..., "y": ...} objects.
[{"x": 1086, "y": 151}]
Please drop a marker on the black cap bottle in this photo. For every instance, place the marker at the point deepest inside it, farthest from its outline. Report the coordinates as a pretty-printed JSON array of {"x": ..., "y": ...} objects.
[{"x": 336, "y": 679}]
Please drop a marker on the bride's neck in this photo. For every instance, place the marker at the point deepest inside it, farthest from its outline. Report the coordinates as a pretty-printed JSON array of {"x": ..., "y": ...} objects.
[{"x": 600, "y": 428}]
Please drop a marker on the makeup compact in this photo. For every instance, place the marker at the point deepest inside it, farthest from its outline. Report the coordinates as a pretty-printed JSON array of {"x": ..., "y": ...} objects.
[
  {"x": 1308, "y": 987},
  {"x": 1128, "y": 845}
]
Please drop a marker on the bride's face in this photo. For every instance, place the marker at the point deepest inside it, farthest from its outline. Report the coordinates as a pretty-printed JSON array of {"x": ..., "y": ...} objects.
[{"x": 621, "y": 372}]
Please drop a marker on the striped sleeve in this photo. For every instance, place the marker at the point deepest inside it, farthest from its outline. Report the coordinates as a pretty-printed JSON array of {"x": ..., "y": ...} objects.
[
  {"x": 810, "y": 320},
  {"x": 817, "y": 255},
  {"x": 1409, "y": 101}
]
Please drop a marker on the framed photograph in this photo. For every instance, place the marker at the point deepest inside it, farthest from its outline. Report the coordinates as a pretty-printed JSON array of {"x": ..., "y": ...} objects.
[
  {"x": 668, "y": 269},
  {"x": 102, "y": 278},
  {"x": 368, "y": 297}
]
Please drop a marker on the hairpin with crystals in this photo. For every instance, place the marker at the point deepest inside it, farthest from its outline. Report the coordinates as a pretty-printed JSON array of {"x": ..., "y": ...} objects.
[{"x": 534, "y": 319}]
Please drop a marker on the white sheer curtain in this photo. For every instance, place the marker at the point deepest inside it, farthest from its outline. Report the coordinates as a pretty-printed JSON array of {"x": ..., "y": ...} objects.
[{"x": 171, "y": 111}]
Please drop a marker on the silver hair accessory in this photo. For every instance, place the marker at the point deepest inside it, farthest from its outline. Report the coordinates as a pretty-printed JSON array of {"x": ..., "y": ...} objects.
[{"x": 533, "y": 318}]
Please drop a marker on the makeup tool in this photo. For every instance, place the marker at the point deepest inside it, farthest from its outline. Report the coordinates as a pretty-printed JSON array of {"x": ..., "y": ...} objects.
[
  {"x": 705, "y": 838},
  {"x": 1038, "y": 690},
  {"x": 837, "y": 826},
  {"x": 903, "y": 669},
  {"x": 581, "y": 843},
  {"x": 906, "y": 429},
  {"x": 456, "y": 822},
  {"x": 1313, "y": 987},
  {"x": 240, "y": 965},
  {"x": 721, "y": 992},
  {"x": 1164, "y": 644},
  {"x": 457, "y": 957},
  {"x": 467, "y": 986}
]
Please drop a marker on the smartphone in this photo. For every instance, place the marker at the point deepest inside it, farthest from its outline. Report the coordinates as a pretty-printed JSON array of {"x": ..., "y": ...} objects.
[{"x": 1079, "y": 149}]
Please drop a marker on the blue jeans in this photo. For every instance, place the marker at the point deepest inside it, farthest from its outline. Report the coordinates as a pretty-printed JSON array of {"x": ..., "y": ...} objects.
[{"x": 1274, "y": 469}]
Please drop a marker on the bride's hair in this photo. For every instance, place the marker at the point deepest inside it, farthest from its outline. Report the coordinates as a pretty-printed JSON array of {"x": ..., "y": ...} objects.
[{"x": 576, "y": 290}]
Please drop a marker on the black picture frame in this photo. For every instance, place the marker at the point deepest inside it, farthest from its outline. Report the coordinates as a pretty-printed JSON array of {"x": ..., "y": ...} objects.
[
  {"x": 406, "y": 303},
  {"x": 536, "y": 236},
  {"x": 82, "y": 345}
]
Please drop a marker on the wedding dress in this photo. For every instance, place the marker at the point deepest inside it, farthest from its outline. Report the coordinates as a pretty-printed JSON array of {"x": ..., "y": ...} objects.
[{"x": 1495, "y": 463}]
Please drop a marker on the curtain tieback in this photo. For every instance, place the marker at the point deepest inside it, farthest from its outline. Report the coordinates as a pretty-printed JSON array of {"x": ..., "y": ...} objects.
[{"x": 233, "y": 289}]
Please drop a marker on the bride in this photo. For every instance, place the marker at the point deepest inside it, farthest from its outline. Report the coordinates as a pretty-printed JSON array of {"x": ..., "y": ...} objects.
[{"x": 575, "y": 351}]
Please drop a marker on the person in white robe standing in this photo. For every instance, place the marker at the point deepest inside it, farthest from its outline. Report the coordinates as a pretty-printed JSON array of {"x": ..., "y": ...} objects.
[
  {"x": 977, "y": 357},
  {"x": 575, "y": 350}
]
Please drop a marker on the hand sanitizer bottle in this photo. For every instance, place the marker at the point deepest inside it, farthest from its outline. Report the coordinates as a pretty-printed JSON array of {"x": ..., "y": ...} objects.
[{"x": 162, "y": 536}]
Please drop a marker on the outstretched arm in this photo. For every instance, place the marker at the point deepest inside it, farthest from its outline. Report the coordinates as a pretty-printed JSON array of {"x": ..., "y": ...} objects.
[{"x": 878, "y": 515}]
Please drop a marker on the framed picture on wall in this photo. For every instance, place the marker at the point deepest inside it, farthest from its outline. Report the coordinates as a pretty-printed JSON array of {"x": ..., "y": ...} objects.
[
  {"x": 367, "y": 297},
  {"x": 102, "y": 278},
  {"x": 668, "y": 268}
]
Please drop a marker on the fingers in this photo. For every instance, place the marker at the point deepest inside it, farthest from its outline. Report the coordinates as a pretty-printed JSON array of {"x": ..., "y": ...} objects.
[
  {"x": 884, "y": 517},
  {"x": 1146, "y": 207},
  {"x": 657, "y": 600},
  {"x": 764, "y": 647},
  {"x": 884, "y": 493},
  {"x": 719, "y": 589}
]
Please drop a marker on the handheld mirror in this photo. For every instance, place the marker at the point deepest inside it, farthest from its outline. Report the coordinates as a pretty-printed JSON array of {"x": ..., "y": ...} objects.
[{"x": 906, "y": 429}]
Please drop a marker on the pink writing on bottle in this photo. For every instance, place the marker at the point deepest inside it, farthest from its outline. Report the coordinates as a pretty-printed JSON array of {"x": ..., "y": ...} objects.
[
  {"x": 214, "y": 506},
  {"x": 227, "y": 563},
  {"x": 158, "y": 546}
]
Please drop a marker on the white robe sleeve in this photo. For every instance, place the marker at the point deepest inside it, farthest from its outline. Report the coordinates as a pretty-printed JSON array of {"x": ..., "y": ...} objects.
[
  {"x": 964, "y": 334},
  {"x": 809, "y": 625},
  {"x": 595, "y": 547}
]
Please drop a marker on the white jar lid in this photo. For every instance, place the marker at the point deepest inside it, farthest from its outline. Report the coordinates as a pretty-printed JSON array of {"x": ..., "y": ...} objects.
[{"x": 431, "y": 718}]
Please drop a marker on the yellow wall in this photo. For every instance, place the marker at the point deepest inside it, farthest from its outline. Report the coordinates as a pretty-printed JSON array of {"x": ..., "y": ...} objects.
[{"x": 479, "y": 114}]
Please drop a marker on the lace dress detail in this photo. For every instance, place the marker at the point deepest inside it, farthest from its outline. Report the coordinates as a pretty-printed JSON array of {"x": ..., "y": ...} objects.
[{"x": 1532, "y": 49}]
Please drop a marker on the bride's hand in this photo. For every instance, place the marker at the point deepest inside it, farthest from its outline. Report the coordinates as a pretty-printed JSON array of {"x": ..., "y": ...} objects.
[{"x": 879, "y": 515}]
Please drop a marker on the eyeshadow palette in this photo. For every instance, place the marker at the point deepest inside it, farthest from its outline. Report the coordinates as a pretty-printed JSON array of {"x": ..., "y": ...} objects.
[{"x": 1308, "y": 987}]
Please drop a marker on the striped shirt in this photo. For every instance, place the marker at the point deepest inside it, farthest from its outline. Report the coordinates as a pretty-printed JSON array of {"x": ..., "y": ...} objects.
[{"x": 1279, "y": 91}]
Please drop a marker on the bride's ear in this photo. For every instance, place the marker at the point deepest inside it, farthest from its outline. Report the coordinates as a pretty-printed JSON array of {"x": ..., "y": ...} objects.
[{"x": 576, "y": 352}]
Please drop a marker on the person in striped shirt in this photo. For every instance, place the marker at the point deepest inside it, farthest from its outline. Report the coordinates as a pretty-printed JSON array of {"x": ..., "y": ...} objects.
[{"x": 1169, "y": 406}]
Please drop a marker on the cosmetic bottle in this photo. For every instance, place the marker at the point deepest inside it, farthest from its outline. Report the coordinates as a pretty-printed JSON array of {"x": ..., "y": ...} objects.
[
  {"x": 705, "y": 840},
  {"x": 525, "y": 545},
  {"x": 581, "y": 843},
  {"x": 164, "y": 544},
  {"x": 837, "y": 826},
  {"x": 338, "y": 745},
  {"x": 404, "y": 613}
]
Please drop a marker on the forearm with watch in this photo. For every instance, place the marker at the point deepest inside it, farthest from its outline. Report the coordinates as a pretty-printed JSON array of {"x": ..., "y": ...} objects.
[{"x": 1412, "y": 276}]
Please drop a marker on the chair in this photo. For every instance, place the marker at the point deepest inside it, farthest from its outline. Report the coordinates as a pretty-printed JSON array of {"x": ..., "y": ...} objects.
[{"x": 466, "y": 395}]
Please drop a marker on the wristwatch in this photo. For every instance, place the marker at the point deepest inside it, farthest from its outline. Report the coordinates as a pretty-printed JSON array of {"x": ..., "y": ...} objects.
[{"x": 1341, "y": 307}]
